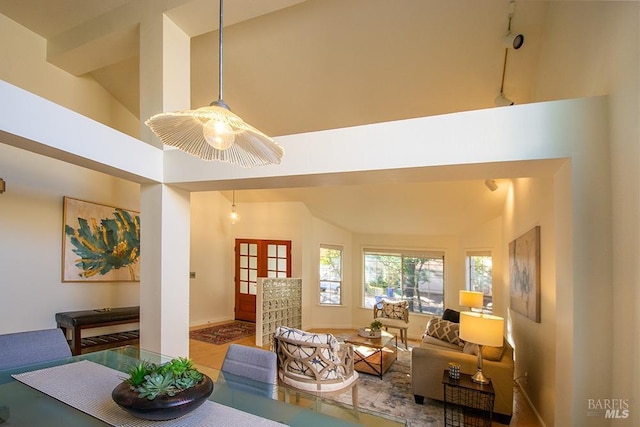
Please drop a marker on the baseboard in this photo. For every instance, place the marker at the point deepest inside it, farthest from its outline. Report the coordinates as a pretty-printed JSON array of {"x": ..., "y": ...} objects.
[
  {"x": 309, "y": 327},
  {"x": 210, "y": 322},
  {"x": 533, "y": 408}
]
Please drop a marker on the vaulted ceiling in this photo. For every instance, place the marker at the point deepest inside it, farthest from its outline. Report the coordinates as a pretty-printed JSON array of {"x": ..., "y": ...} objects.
[{"x": 294, "y": 66}]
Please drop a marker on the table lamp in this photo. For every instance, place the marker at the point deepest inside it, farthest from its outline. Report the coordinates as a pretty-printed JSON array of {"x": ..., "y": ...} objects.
[
  {"x": 471, "y": 299},
  {"x": 481, "y": 329}
]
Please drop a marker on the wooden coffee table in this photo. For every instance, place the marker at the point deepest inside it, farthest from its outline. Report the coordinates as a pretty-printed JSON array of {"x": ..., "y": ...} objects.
[{"x": 371, "y": 355}]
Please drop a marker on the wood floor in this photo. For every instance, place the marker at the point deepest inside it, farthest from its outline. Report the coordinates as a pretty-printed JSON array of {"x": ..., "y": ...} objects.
[{"x": 212, "y": 355}]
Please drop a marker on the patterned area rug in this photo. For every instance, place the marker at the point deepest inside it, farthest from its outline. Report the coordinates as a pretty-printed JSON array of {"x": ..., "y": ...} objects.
[
  {"x": 222, "y": 334},
  {"x": 392, "y": 395}
]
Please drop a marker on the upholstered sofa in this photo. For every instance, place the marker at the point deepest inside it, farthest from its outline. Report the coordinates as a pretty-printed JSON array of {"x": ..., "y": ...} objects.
[{"x": 441, "y": 345}]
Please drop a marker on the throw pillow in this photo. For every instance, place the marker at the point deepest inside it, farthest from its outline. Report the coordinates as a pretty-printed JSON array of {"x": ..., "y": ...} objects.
[
  {"x": 394, "y": 310},
  {"x": 451, "y": 315},
  {"x": 444, "y": 330},
  {"x": 488, "y": 352}
]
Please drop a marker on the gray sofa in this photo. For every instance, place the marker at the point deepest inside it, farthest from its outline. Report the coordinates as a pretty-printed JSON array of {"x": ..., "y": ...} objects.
[{"x": 432, "y": 357}]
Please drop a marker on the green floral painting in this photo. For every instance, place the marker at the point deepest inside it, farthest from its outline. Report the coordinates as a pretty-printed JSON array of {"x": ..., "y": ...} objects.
[{"x": 101, "y": 243}]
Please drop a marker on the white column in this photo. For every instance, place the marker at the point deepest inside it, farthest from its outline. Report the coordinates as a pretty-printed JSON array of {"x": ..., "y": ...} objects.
[
  {"x": 164, "y": 269},
  {"x": 165, "y": 210}
]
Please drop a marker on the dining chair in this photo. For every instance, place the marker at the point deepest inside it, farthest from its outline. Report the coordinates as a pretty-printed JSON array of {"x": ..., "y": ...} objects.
[
  {"x": 250, "y": 369},
  {"x": 30, "y": 347}
]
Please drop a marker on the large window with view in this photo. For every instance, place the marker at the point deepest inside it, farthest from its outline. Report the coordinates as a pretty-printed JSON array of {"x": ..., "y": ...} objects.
[
  {"x": 330, "y": 275},
  {"x": 413, "y": 276},
  {"x": 479, "y": 276}
]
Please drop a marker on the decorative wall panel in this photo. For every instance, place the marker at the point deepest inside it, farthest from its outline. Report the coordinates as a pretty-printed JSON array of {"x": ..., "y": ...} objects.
[{"x": 278, "y": 303}]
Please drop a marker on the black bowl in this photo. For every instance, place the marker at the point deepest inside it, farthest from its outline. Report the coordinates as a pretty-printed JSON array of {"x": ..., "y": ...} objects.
[{"x": 162, "y": 407}]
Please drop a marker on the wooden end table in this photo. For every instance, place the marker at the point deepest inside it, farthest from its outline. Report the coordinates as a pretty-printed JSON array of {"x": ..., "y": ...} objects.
[
  {"x": 467, "y": 403},
  {"x": 371, "y": 355}
]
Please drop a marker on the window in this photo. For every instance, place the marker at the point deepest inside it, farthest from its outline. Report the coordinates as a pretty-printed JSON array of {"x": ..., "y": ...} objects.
[
  {"x": 412, "y": 276},
  {"x": 479, "y": 276},
  {"x": 330, "y": 275}
]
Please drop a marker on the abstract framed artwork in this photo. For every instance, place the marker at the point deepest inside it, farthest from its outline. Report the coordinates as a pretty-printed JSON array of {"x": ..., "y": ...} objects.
[
  {"x": 524, "y": 274},
  {"x": 100, "y": 243}
]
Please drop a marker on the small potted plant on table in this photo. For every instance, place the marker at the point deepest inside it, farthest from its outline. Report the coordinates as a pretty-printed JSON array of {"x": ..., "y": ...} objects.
[
  {"x": 162, "y": 391},
  {"x": 375, "y": 328}
]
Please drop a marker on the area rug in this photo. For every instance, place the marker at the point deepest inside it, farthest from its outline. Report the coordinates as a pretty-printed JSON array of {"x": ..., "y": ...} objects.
[
  {"x": 392, "y": 395},
  {"x": 222, "y": 334}
]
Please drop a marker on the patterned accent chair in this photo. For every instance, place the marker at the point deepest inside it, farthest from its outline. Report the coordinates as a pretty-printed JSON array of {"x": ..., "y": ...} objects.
[
  {"x": 393, "y": 315},
  {"x": 315, "y": 363}
]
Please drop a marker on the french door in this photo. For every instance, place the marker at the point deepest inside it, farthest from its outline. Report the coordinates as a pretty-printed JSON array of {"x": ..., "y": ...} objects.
[{"x": 257, "y": 258}]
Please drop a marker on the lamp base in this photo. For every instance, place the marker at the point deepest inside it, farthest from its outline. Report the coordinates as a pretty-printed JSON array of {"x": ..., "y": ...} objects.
[{"x": 479, "y": 378}]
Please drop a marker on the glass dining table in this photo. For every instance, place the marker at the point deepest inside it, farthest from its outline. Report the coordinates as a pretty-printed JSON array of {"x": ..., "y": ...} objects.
[{"x": 23, "y": 405}]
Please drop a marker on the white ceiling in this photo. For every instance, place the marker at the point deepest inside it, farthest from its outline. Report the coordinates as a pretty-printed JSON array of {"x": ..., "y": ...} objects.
[{"x": 294, "y": 66}]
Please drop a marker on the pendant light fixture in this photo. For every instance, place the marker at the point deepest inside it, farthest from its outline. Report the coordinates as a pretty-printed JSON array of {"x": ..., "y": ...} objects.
[
  {"x": 214, "y": 132},
  {"x": 234, "y": 216}
]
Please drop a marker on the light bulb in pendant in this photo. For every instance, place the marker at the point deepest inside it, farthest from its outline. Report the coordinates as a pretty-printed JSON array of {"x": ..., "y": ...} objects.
[
  {"x": 219, "y": 135},
  {"x": 234, "y": 216}
]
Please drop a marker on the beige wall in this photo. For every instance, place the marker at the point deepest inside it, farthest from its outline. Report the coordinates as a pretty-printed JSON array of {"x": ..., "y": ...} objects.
[
  {"x": 211, "y": 293},
  {"x": 24, "y": 65},
  {"x": 591, "y": 49},
  {"x": 531, "y": 203},
  {"x": 31, "y": 218}
]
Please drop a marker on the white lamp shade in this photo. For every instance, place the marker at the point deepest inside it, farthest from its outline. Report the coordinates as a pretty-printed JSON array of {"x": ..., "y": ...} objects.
[
  {"x": 481, "y": 329},
  {"x": 471, "y": 299}
]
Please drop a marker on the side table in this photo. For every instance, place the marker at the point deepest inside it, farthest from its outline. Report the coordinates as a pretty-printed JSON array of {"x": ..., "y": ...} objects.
[{"x": 467, "y": 403}]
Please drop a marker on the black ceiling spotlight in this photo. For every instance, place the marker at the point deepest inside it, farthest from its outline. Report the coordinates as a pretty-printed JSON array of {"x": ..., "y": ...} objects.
[{"x": 514, "y": 41}]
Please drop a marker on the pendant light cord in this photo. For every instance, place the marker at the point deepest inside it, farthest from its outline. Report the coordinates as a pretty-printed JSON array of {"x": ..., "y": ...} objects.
[
  {"x": 506, "y": 50},
  {"x": 220, "y": 54}
]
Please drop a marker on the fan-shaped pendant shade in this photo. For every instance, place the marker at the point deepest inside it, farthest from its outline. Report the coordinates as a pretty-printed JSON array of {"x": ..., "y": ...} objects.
[{"x": 215, "y": 133}]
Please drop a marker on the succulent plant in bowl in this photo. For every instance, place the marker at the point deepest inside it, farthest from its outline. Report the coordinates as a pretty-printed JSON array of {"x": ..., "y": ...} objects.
[{"x": 162, "y": 391}]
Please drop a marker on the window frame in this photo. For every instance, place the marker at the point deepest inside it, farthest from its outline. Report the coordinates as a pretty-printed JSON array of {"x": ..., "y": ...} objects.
[
  {"x": 328, "y": 300},
  {"x": 437, "y": 255},
  {"x": 488, "y": 297}
]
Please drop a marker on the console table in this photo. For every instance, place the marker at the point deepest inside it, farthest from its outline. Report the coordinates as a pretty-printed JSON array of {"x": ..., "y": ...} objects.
[{"x": 76, "y": 321}]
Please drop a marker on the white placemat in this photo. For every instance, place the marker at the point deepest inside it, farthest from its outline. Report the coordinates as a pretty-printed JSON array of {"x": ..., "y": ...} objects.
[{"x": 87, "y": 387}]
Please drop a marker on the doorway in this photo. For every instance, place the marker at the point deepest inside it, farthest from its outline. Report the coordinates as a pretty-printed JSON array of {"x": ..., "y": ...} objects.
[{"x": 257, "y": 258}]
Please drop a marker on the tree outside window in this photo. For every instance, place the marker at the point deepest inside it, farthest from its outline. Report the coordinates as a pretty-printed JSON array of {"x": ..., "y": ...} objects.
[
  {"x": 480, "y": 276},
  {"x": 415, "y": 277},
  {"x": 330, "y": 275}
]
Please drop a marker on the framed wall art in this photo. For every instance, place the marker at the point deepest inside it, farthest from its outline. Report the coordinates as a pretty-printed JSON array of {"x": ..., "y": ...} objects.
[
  {"x": 524, "y": 274},
  {"x": 100, "y": 243}
]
